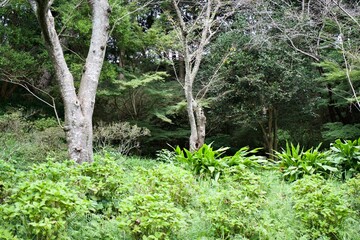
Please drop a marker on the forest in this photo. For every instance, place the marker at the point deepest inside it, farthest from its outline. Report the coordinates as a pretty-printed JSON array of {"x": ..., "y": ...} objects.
[{"x": 179, "y": 119}]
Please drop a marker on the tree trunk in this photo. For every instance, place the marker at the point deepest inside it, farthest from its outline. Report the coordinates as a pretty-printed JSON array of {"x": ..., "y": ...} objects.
[
  {"x": 78, "y": 107},
  {"x": 181, "y": 69},
  {"x": 269, "y": 130},
  {"x": 121, "y": 64}
]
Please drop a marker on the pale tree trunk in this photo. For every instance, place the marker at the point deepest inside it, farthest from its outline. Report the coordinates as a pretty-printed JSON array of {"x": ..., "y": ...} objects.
[
  {"x": 192, "y": 61},
  {"x": 194, "y": 36},
  {"x": 78, "y": 107}
]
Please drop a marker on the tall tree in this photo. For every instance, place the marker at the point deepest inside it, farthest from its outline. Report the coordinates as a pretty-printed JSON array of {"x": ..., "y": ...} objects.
[
  {"x": 78, "y": 105},
  {"x": 196, "y": 25}
]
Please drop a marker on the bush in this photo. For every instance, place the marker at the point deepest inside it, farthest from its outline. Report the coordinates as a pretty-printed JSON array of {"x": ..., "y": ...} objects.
[
  {"x": 6, "y": 235},
  {"x": 7, "y": 172},
  {"x": 346, "y": 154},
  {"x": 352, "y": 190},
  {"x": 233, "y": 207},
  {"x": 106, "y": 184},
  {"x": 13, "y": 122},
  {"x": 25, "y": 142},
  {"x": 94, "y": 226},
  {"x": 44, "y": 123},
  {"x": 319, "y": 207},
  {"x": 208, "y": 163},
  {"x": 39, "y": 209},
  {"x": 177, "y": 183},
  {"x": 204, "y": 162},
  {"x": 166, "y": 156},
  {"x": 294, "y": 162},
  {"x": 150, "y": 216},
  {"x": 122, "y": 134}
]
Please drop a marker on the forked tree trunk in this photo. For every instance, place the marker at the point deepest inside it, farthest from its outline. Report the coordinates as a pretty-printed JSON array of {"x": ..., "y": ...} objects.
[
  {"x": 79, "y": 106},
  {"x": 197, "y": 120}
]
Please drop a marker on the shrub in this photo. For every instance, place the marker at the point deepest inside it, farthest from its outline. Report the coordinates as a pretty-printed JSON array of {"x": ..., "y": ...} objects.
[
  {"x": 319, "y": 207},
  {"x": 150, "y": 216},
  {"x": 346, "y": 154},
  {"x": 246, "y": 158},
  {"x": 352, "y": 190},
  {"x": 166, "y": 179},
  {"x": 39, "y": 209},
  {"x": 43, "y": 123},
  {"x": 52, "y": 170},
  {"x": 106, "y": 184},
  {"x": 233, "y": 207},
  {"x": 294, "y": 162},
  {"x": 6, "y": 235},
  {"x": 125, "y": 136},
  {"x": 7, "y": 172},
  {"x": 13, "y": 122},
  {"x": 94, "y": 226},
  {"x": 204, "y": 162},
  {"x": 165, "y": 155}
]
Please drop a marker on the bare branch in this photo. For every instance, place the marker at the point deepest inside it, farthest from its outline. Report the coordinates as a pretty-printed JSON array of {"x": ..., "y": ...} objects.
[
  {"x": 337, "y": 3},
  {"x": 347, "y": 67},
  {"x": 206, "y": 88},
  {"x": 4, "y": 2},
  {"x": 117, "y": 21},
  {"x": 26, "y": 85}
]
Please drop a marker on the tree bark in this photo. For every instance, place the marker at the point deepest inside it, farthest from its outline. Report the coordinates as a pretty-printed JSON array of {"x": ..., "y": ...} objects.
[
  {"x": 78, "y": 107},
  {"x": 269, "y": 130}
]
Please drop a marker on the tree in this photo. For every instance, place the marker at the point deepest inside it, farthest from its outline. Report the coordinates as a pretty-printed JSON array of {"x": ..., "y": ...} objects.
[
  {"x": 78, "y": 105},
  {"x": 196, "y": 25}
]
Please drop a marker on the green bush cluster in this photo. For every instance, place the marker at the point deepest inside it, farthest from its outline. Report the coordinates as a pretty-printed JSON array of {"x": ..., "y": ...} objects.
[
  {"x": 40, "y": 208},
  {"x": 209, "y": 163},
  {"x": 24, "y": 142},
  {"x": 346, "y": 154},
  {"x": 7, "y": 172},
  {"x": 294, "y": 162},
  {"x": 342, "y": 160},
  {"x": 150, "y": 216},
  {"x": 352, "y": 192},
  {"x": 233, "y": 206},
  {"x": 319, "y": 207},
  {"x": 174, "y": 181},
  {"x": 116, "y": 197}
]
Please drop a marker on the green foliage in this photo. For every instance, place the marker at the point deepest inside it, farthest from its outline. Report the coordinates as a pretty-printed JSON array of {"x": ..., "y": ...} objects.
[
  {"x": 319, "y": 207},
  {"x": 106, "y": 182},
  {"x": 346, "y": 154},
  {"x": 44, "y": 123},
  {"x": 337, "y": 130},
  {"x": 352, "y": 190},
  {"x": 13, "y": 122},
  {"x": 150, "y": 216},
  {"x": 204, "y": 162},
  {"x": 169, "y": 180},
  {"x": 40, "y": 208},
  {"x": 294, "y": 162},
  {"x": 232, "y": 207},
  {"x": 6, "y": 235},
  {"x": 25, "y": 142},
  {"x": 94, "y": 226},
  {"x": 245, "y": 158},
  {"x": 7, "y": 172},
  {"x": 165, "y": 155},
  {"x": 208, "y": 163}
]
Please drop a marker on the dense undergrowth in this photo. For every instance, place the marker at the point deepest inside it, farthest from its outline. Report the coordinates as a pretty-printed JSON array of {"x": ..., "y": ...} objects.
[
  {"x": 120, "y": 197},
  {"x": 305, "y": 194}
]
